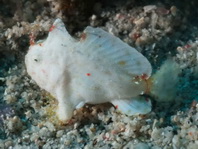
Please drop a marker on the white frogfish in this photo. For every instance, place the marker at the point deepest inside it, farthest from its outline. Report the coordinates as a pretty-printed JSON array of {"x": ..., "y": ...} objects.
[{"x": 97, "y": 68}]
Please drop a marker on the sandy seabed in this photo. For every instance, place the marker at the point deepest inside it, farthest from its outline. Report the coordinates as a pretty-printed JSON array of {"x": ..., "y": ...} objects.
[{"x": 159, "y": 30}]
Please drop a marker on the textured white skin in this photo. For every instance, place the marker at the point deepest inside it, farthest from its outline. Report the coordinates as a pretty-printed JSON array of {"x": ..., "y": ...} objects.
[{"x": 99, "y": 68}]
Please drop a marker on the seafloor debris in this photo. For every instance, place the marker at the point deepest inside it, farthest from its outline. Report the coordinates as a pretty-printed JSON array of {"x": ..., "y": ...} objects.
[
  {"x": 100, "y": 126},
  {"x": 144, "y": 25},
  {"x": 6, "y": 111}
]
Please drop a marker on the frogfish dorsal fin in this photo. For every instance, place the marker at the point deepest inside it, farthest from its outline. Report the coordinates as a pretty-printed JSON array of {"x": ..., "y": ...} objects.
[{"x": 98, "y": 43}]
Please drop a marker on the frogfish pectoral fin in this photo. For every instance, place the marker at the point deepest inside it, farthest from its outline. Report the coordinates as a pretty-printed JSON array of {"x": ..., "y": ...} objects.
[{"x": 134, "y": 106}]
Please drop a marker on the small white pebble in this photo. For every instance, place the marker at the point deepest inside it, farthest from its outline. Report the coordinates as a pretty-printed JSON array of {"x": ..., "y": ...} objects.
[
  {"x": 28, "y": 114},
  {"x": 50, "y": 126},
  {"x": 93, "y": 17},
  {"x": 59, "y": 133},
  {"x": 8, "y": 144}
]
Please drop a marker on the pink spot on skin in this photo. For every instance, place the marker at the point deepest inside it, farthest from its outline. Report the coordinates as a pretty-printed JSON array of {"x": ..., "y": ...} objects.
[
  {"x": 116, "y": 106},
  {"x": 32, "y": 37},
  {"x": 51, "y": 28},
  {"x": 40, "y": 44},
  {"x": 144, "y": 76},
  {"x": 43, "y": 71},
  {"x": 33, "y": 73},
  {"x": 83, "y": 36},
  {"x": 88, "y": 74}
]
